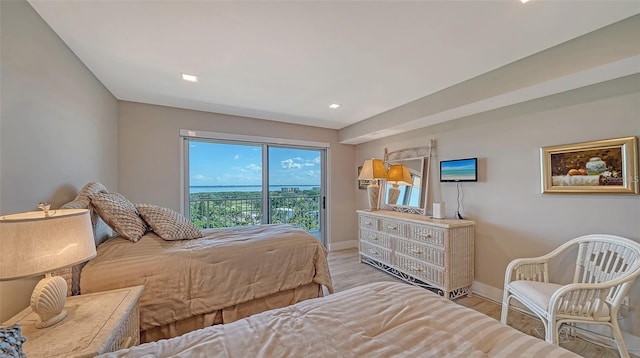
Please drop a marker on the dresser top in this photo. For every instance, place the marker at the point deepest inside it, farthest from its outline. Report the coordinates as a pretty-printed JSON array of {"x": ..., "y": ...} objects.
[
  {"x": 91, "y": 319},
  {"x": 420, "y": 219}
]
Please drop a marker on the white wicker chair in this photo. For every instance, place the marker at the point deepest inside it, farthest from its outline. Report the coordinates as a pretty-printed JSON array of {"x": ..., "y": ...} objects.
[{"x": 606, "y": 267}]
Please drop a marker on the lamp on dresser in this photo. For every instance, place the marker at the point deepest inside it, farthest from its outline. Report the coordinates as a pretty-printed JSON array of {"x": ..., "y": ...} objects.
[
  {"x": 39, "y": 242},
  {"x": 398, "y": 175},
  {"x": 373, "y": 170}
]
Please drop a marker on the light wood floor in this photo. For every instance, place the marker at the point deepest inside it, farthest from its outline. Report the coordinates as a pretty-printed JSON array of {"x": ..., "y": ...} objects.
[{"x": 346, "y": 273}]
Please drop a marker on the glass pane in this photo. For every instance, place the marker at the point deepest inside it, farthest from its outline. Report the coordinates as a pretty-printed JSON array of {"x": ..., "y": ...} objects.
[
  {"x": 295, "y": 187},
  {"x": 225, "y": 184}
]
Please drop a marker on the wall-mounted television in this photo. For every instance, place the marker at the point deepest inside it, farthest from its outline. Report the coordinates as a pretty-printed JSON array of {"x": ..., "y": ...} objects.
[{"x": 459, "y": 170}]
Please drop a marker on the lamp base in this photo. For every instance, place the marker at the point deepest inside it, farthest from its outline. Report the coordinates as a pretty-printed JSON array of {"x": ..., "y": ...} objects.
[
  {"x": 394, "y": 194},
  {"x": 374, "y": 193},
  {"x": 47, "y": 300}
]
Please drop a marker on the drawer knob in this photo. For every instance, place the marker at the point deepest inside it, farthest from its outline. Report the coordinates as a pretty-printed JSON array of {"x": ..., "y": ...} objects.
[
  {"x": 416, "y": 269},
  {"x": 416, "y": 251},
  {"x": 376, "y": 238},
  {"x": 392, "y": 227},
  {"x": 428, "y": 236},
  {"x": 367, "y": 222},
  {"x": 374, "y": 252}
]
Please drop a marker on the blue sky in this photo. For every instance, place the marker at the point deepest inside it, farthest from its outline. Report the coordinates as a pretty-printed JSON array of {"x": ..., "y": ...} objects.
[{"x": 212, "y": 164}]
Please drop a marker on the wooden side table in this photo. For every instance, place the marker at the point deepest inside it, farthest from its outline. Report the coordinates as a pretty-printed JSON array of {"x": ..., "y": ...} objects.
[{"x": 96, "y": 323}]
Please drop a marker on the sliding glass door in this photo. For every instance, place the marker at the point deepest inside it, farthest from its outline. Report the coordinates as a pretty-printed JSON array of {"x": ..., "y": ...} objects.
[
  {"x": 241, "y": 184},
  {"x": 295, "y": 187}
]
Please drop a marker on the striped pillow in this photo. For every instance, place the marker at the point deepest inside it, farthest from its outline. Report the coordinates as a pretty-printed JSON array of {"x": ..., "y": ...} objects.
[
  {"x": 120, "y": 214},
  {"x": 167, "y": 223}
]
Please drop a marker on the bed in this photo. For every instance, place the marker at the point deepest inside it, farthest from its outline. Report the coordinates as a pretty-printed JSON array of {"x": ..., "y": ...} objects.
[
  {"x": 217, "y": 276},
  {"x": 384, "y": 319}
]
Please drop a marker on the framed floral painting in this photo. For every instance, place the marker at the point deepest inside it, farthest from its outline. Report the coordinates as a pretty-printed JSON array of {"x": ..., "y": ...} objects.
[{"x": 607, "y": 166}]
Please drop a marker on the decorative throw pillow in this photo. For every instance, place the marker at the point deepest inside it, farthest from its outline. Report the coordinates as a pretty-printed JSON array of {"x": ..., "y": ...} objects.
[
  {"x": 11, "y": 340},
  {"x": 120, "y": 214},
  {"x": 167, "y": 223}
]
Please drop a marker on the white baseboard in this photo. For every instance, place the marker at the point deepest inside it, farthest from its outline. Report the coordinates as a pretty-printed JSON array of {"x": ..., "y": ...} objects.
[
  {"x": 486, "y": 291},
  {"x": 603, "y": 335},
  {"x": 592, "y": 332},
  {"x": 343, "y": 245}
]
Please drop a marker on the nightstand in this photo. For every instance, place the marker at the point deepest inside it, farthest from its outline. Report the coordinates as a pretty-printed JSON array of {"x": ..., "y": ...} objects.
[{"x": 96, "y": 323}]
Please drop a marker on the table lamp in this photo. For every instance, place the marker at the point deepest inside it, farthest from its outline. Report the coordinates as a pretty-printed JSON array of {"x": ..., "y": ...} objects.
[
  {"x": 373, "y": 170},
  {"x": 39, "y": 242},
  {"x": 398, "y": 175}
]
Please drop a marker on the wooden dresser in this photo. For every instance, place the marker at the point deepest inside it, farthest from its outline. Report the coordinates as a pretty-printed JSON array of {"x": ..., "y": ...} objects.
[
  {"x": 431, "y": 253},
  {"x": 96, "y": 323}
]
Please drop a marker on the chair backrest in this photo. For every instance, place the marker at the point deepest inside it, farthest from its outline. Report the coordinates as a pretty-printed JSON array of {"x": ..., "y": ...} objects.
[{"x": 602, "y": 258}]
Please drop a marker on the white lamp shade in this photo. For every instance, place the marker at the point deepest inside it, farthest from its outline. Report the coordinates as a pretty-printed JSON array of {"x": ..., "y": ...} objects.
[
  {"x": 400, "y": 175},
  {"x": 33, "y": 244},
  {"x": 373, "y": 169}
]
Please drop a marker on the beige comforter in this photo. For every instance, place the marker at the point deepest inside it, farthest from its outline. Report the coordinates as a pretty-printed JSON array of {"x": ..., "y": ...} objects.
[
  {"x": 375, "y": 320},
  {"x": 226, "y": 267}
]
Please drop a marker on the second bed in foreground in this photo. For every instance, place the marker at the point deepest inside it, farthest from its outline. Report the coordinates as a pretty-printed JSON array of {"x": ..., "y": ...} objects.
[{"x": 375, "y": 320}]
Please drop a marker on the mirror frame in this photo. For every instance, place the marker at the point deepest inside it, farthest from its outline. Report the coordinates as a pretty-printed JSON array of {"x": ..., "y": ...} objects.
[{"x": 423, "y": 153}]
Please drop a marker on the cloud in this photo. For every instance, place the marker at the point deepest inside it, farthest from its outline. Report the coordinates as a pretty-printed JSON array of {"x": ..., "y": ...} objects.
[
  {"x": 236, "y": 157},
  {"x": 254, "y": 167},
  {"x": 291, "y": 164}
]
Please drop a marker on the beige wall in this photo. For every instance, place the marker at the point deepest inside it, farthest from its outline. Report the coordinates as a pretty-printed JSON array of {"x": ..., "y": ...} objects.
[
  {"x": 149, "y": 165},
  {"x": 58, "y": 126},
  {"x": 513, "y": 219}
]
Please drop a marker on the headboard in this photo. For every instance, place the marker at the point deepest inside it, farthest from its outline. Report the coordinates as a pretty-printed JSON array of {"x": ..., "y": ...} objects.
[{"x": 101, "y": 232}]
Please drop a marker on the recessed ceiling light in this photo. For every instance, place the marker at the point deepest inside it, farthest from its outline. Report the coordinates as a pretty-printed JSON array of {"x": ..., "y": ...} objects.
[
  {"x": 190, "y": 78},
  {"x": 524, "y": 1},
  {"x": 334, "y": 105}
]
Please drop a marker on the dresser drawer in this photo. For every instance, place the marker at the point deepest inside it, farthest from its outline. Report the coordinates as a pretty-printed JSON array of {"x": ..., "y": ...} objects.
[
  {"x": 376, "y": 238},
  {"x": 421, "y": 252},
  {"x": 368, "y": 222},
  {"x": 375, "y": 252},
  {"x": 428, "y": 234},
  {"x": 420, "y": 269},
  {"x": 393, "y": 227}
]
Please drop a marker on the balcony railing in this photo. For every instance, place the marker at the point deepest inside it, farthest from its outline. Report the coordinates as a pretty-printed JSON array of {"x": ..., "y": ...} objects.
[{"x": 299, "y": 210}]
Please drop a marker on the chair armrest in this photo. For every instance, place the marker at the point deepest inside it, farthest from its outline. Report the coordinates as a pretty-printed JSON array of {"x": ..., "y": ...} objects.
[
  {"x": 586, "y": 298},
  {"x": 533, "y": 268},
  {"x": 530, "y": 269},
  {"x": 580, "y": 299}
]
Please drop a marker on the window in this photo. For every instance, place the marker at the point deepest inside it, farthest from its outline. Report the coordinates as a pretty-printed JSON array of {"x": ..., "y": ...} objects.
[{"x": 239, "y": 183}]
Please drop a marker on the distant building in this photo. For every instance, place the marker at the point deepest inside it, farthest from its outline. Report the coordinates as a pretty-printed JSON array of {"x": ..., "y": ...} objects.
[{"x": 290, "y": 189}]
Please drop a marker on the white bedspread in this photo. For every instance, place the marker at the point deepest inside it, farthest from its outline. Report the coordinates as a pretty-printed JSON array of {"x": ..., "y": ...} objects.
[{"x": 375, "y": 320}]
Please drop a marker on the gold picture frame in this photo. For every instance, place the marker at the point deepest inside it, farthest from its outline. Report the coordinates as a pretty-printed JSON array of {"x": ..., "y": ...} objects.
[{"x": 608, "y": 166}]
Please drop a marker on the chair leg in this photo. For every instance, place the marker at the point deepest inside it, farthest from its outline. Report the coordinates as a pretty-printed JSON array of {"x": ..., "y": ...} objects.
[
  {"x": 551, "y": 331},
  {"x": 505, "y": 307},
  {"x": 622, "y": 348}
]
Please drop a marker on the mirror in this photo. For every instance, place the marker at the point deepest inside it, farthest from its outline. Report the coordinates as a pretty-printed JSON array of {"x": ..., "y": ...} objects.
[
  {"x": 407, "y": 189},
  {"x": 407, "y": 166}
]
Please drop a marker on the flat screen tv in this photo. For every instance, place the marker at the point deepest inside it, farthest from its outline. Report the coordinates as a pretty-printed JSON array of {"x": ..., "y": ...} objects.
[{"x": 459, "y": 170}]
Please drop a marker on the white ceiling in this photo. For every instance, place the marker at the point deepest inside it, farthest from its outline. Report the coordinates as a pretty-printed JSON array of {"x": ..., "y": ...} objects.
[{"x": 287, "y": 61}]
